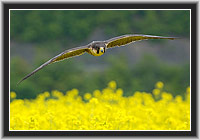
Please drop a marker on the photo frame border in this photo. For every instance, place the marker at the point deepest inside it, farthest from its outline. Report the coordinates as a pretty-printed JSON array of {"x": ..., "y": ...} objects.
[{"x": 45, "y": 5}]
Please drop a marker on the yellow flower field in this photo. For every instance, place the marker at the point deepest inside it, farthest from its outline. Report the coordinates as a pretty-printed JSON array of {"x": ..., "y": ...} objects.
[{"x": 101, "y": 110}]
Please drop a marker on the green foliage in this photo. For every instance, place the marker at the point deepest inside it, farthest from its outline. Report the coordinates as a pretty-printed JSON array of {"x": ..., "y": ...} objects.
[
  {"x": 76, "y": 25},
  {"x": 54, "y": 30}
]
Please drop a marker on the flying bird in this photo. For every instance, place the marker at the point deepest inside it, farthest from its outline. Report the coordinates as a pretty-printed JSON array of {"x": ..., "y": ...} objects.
[{"x": 97, "y": 48}]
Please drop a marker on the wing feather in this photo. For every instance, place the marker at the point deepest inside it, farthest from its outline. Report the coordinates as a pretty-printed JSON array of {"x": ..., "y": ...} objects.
[
  {"x": 70, "y": 53},
  {"x": 64, "y": 55},
  {"x": 126, "y": 39}
]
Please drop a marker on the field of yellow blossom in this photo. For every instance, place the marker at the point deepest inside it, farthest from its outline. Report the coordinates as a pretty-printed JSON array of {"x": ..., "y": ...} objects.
[{"x": 101, "y": 110}]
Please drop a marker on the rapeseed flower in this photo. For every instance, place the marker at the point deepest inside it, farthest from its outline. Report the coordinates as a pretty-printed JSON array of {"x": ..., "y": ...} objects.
[
  {"x": 105, "y": 109},
  {"x": 87, "y": 96},
  {"x": 112, "y": 85},
  {"x": 159, "y": 85},
  {"x": 12, "y": 95}
]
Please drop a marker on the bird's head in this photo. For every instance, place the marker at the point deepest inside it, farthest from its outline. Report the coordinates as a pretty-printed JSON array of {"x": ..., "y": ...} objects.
[{"x": 98, "y": 48}]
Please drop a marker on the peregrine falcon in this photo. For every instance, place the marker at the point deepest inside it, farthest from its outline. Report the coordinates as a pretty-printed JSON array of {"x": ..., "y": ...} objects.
[{"x": 97, "y": 48}]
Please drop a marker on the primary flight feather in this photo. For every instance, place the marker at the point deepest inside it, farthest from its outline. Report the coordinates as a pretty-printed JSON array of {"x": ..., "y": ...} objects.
[{"x": 97, "y": 48}]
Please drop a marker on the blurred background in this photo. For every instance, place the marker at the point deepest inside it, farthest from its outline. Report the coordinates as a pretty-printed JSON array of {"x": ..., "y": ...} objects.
[{"x": 39, "y": 35}]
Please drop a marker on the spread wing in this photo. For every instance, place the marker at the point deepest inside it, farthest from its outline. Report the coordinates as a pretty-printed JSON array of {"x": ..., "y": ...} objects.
[
  {"x": 64, "y": 55},
  {"x": 126, "y": 39}
]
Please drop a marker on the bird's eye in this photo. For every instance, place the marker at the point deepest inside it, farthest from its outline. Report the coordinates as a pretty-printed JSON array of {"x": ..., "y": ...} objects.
[{"x": 102, "y": 50}]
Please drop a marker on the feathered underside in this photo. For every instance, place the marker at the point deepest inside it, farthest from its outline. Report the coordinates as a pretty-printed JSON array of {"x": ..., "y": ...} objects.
[{"x": 126, "y": 39}]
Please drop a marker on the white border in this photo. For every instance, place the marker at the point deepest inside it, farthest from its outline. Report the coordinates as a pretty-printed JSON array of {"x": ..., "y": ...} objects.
[{"x": 100, "y": 10}]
